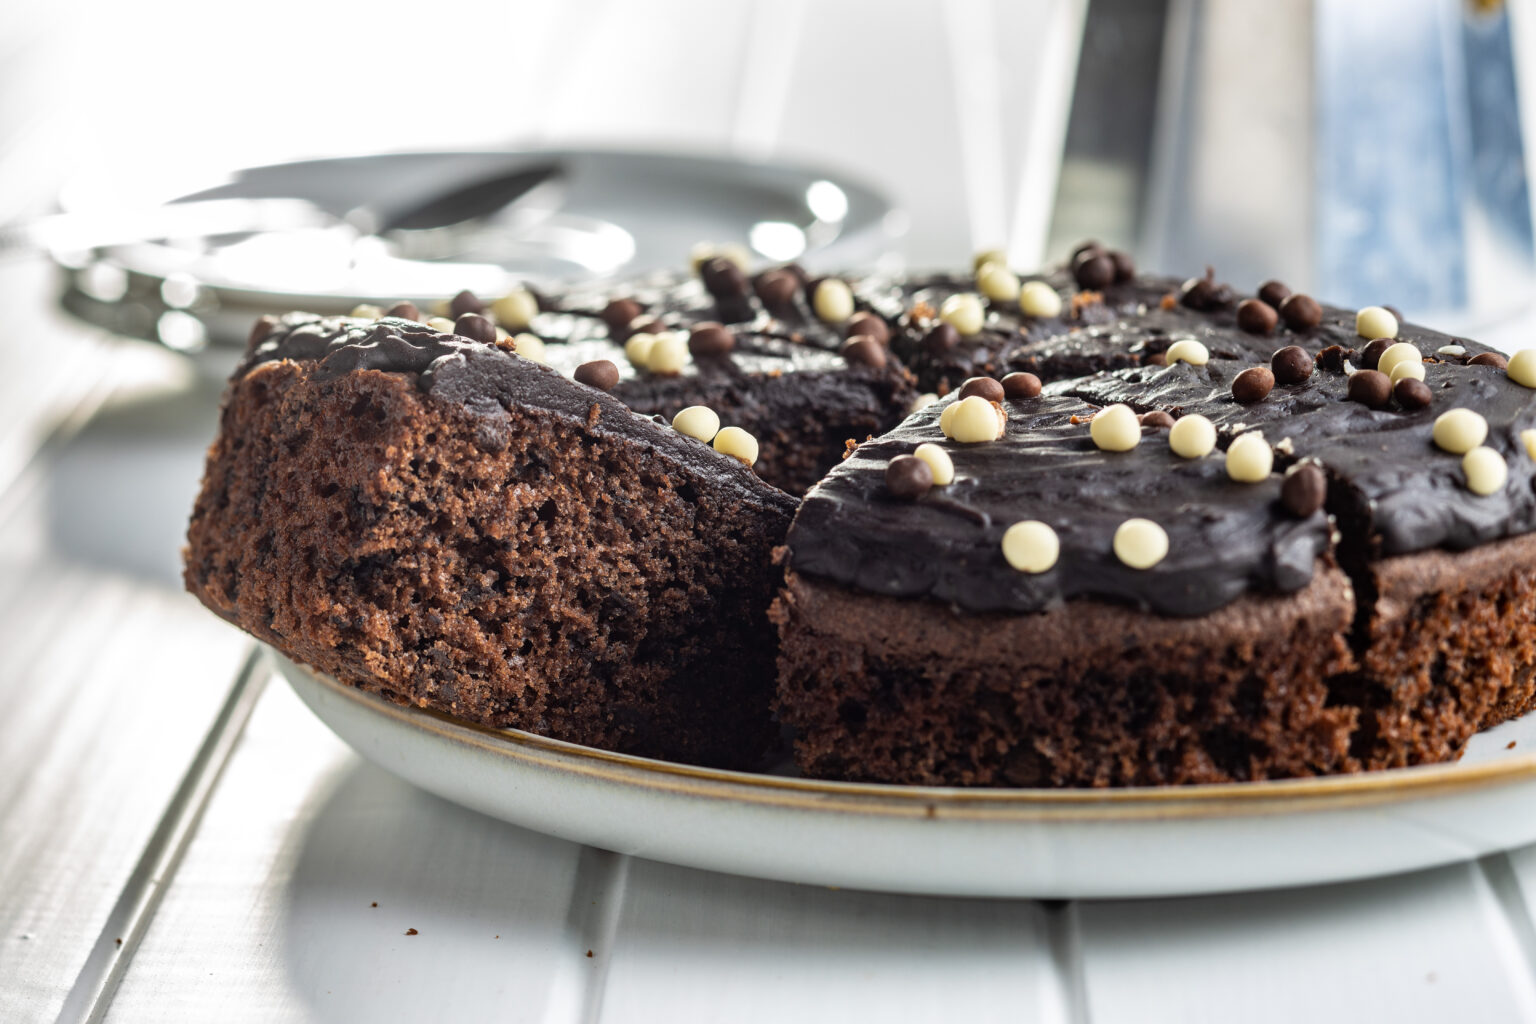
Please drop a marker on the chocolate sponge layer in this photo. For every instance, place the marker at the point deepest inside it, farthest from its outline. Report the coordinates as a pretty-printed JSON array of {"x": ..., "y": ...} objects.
[
  {"x": 1400, "y": 668},
  {"x": 532, "y": 572}
]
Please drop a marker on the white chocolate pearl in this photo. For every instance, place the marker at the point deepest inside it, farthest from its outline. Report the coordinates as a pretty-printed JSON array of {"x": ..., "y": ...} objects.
[
  {"x": 1115, "y": 429},
  {"x": 667, "y": 354},
  {"x": 986, "y": 256},
  {"x": 698, "y": 252},
  {"x": 1373, "y": 322},
  {"x": 1037, "y": 298},
  {"x": 366, "y": 311},
  {"x": 1192, "y": 436},
  {"x": 974, "y": 420},
  {"x": 963, "y": 312},
  {"x": 1528, "y": 438},
  {"x": 997, "y": 282},
  {"x": 1396, "y": 354},
  {"x": 1522, "y": 368},
  {"x": 1188, "y": 351},
  {"x": 1031, "y": 546},
  {"x": 922, "y": 401},
  {"x": 1140, "y": 543},
  {"x": 737, "y": 443},
  {"x": 638, "y": 349},
  {"x": 440, "y": 323},
  {"x": 1459, "y": 431},
  {"x": 942, "y": 465},
  {"x": 1407, "y": 369},
  {"x": 1249, "y": 459},
  {"x": 947, "y": 419},
  {"x": 698, "y": 421},
  {"x": 515, "y": 309},
  {"x": 529, "y": 346},
  {"x": 833, "y": 301},
  {"x": 1450, "y": 350},
  {"x": 1485, "y": 470},
  {"x": 737, "y": 254}
]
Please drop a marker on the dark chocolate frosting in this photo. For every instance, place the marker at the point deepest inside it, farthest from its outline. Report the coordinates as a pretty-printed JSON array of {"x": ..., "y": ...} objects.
[
  {"x": 485, "y": 380},
  {"x": 1392, "y": 489},
  {"x": 1225, "y": 538}
]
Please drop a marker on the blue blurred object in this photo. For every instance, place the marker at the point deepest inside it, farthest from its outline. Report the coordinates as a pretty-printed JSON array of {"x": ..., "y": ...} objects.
[{"x": 1368, "y": 152}]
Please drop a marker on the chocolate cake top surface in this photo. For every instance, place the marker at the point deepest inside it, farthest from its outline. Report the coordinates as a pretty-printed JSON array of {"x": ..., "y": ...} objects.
[
  {"x": 1413, "y": 492},
  {"x": 1224, "y": 537},
  {"x": 1395, "y": 488},
  {"x": 483, "y": 378}
]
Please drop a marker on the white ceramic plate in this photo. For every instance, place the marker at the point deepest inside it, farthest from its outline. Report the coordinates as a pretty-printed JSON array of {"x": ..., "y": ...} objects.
[{"x": 1020, "y": 842}]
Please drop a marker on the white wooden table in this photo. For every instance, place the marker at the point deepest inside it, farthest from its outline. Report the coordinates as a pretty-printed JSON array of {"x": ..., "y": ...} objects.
[{"x": 180, "y": 840}]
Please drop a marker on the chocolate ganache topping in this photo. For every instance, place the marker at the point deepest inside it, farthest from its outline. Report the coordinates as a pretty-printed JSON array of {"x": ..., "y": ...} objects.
[
  {"x": 484, "y": 379},
  {"x": 1225, "y": 537}
]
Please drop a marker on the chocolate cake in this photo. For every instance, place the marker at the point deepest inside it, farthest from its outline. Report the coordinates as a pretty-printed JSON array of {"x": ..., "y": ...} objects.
[
  {"x": 443, "y": 522},
  {"x": 755, "y": 350},
  {"x": 1154, "y": 532},
  {"x": 928, "y": 639}
]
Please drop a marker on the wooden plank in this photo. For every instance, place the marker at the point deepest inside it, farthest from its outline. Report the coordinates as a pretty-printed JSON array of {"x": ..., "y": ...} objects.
[
  {"x": 103, "y": 718},
  {"x": 1431, "y": 946},
  {"x": 695, "y": 946},
  {"x": 272, "y": 914}
]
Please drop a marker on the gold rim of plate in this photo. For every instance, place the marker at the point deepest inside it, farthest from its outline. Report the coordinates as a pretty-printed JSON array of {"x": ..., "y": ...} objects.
[{"x": 1323, "y": 793}]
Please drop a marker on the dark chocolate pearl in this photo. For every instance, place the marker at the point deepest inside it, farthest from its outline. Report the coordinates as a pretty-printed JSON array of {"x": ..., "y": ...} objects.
[
  {"x": 1094, "y": 271},
  {"x": 1204, "y": 294},
  {"x": 1304, "y": 489},
  {"x": 1253, "y": 384},
  {"x": 405, "y": 311},
  {"x": 1157, "y": 420},
  {"x": 1412, "y": 394},
  {"x": 1083, "y": 248},
  {"x": 1370, "y": 356},
  {"x": 646, "y": 325},
  {"x": 1021, "y": 385},
  {"x": 1272, "y": 293},
  {"x": 796, "y": 271},
  {"x": 941, "y": 339},
  {"x": 722, "y": 278},
  {"x": 620, "y": 313},
  {"x": 1157, "y": 359},
  {"x": 599, "y": 373},
  {"x": 710, "y": 339},
  {"x": 777, "y": 288},
  {"x": 907, "y": 476},
  {"x": 263, "y": 326},
  {"x": 1256, "y": 317},
  {"x": 1291, "y": 365},
  {"x": 1370, "y": 388},
  {"x": 986, "y": 387},
  {"x": 1125, "y": 267},
  {"x": 870, "y": 324},
  {"x": 475, "y": 327},
  {"x": 1489, "y": 359},
  {"x": 863, "y": 350},
  {"x": 1301, "y": 312},
  {"x": 465, "y": 302}
]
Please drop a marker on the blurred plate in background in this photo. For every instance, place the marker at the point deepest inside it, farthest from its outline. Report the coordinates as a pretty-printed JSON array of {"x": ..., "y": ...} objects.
[{"x": 325, "y": 235}]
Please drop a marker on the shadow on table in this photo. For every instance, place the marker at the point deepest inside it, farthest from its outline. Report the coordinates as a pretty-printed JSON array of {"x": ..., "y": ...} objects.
[
  {"x": 120, "y": 491},
  {"x": 488, "y": 902}
]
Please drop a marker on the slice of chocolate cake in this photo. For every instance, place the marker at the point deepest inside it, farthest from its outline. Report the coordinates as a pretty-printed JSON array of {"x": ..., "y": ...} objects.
[
  {"x": 443, "y": 522},
  {"x": 803, "y": 382},
  {"x": 1158, "y": 621}
]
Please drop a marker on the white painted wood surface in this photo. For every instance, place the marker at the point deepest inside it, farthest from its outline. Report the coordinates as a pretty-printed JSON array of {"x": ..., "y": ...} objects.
[{"x": 152, "y": 792}]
